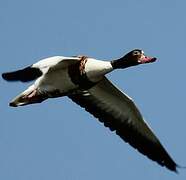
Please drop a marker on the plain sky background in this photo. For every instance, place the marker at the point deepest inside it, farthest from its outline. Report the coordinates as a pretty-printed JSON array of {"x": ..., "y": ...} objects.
[{"x": 59, "y": 140}]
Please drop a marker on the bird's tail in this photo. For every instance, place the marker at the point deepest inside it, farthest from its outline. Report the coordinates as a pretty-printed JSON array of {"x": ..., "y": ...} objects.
[{"x": 29, "y": 96}]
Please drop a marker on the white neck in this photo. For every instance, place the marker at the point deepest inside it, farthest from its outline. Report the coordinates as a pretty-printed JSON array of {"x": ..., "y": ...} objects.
[{"x": 96, "y": 69}]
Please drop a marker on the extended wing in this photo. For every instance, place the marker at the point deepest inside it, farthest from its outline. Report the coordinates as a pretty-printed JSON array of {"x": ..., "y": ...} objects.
[
  {"x": 118, "y": 112},
  {"x": 38, "y": 69}
]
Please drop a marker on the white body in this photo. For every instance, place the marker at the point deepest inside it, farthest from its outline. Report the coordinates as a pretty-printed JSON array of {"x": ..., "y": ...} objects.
[
  {"x": 57, "y": 77},
  {"x": 56, "y": 81}
]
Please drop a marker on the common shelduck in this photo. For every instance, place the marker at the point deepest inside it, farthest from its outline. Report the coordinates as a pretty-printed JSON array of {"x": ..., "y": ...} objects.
[{"x": 83, "y": 80}]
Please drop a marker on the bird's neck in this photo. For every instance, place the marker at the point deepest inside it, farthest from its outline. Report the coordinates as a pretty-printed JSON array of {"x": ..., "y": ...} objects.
[{"x": 122, "y": 63}]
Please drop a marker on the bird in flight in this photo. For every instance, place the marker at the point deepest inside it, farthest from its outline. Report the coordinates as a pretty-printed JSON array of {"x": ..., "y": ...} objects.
[{"x": 83, "y": 80}]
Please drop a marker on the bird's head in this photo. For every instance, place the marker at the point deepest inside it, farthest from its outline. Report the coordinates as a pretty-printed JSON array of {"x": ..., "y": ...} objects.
[
  {"x": 137, "y": 56},
  {"x": 133, "y": 58}
]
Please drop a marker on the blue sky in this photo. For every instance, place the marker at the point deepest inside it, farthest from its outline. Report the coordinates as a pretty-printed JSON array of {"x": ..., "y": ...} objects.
[{"x": 59, "y": 140}]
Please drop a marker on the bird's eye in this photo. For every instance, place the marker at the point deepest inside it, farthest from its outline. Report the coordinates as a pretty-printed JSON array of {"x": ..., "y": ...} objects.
[{"x": 135, "y": 53}]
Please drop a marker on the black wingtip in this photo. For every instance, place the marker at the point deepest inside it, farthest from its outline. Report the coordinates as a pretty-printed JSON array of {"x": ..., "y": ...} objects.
[
  {"x": 175, "y": 169},
  {"x": 24, "y": 75},
  {"x": 8, "y": 77},
  {"x": 171, "y": 165},
  {"x": 3, "y": 76},
  {"x": 180, "y": 167}
]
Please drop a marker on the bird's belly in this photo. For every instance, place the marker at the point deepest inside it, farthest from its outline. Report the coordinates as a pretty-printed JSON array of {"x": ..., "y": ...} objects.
[{"x": 56, "y": 83}]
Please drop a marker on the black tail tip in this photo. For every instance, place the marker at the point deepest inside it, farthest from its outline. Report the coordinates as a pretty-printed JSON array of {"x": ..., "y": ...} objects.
[
  {"x": 4, "y": 76},
  {"x": 12, "y": 104}
]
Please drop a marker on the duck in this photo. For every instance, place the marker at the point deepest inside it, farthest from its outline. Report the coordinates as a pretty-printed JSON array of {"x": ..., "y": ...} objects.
[{"x": 83, "y": 80}]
